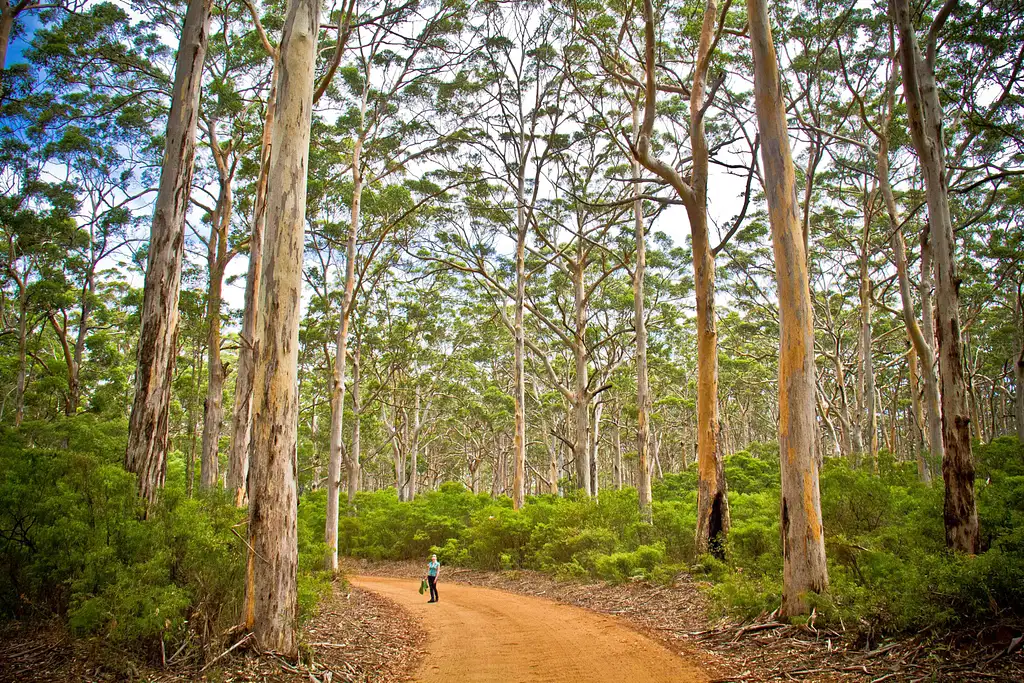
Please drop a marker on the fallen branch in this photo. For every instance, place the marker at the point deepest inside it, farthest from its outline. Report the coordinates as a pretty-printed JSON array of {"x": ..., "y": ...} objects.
[{"x": 244, "y": 639}]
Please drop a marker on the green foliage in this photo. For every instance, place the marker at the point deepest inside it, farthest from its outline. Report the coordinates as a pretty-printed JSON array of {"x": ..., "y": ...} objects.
[
  {"x": 73, "y": 542},
  {"x": 878, "y": 578},
  {"x": 888, "y": 566},
  {"x": 639, "y": 563}
]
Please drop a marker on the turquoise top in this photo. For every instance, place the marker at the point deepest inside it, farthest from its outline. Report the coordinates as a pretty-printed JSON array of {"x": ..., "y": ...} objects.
[{"x": 433, "y": 567}]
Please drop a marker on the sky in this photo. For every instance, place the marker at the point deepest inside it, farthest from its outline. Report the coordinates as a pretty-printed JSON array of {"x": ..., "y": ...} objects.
[{"x": 27, "y": 22}]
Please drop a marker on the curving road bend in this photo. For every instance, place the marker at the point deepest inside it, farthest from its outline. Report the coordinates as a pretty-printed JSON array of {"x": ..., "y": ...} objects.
[{"x": 479, "y": 635}]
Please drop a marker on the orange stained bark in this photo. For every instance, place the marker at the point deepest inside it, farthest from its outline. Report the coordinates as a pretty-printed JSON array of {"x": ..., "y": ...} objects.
[{"x": 804, "y": 567}]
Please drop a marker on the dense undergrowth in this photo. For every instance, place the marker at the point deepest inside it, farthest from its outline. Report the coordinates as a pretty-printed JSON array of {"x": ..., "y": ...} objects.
[
  {"x": 73, "y": 543},
  {"x": 888, "y": 565}
]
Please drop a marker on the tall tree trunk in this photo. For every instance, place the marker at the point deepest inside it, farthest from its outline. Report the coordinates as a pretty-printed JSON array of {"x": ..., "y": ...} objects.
[
  {"x": 241, "y": 422},
  {"x": 595, "y": 445},
  {"x": 845, "y": 423},
  {"x": 190, "y": 462},
  {"x": 551, "y": 443},
  {"x": 414, "y": 445},
  {"x": 935, "y": 445},
  {"x": 917, "y": 414},
  {"x": 921, "y": 341},
  {"x": 340, "y": 360},
  {"x": 78, "y": 351},
  {"x": 617, "y": 450},
  {"x": 803, "y": 543},
  {"x": 353, "y": 454},
  {"x": 519, "y": 371},
  {"x": 712, "y": 501},
  {"x": 923, "y": 350},
  {"x": 271, "y": 589},
  {"x": 924, "y": 114},
  {"x": 581, "y": 395},
  {"x": 213, "y": 407},
  {"x": 712, "y": 498},
  {"x": 867, "y": 366},
  {"x": 643, "y": 394},
  {"x": 146, "y": 454}
]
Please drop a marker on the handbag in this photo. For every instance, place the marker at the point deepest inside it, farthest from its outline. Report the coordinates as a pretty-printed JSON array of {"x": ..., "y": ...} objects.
[{"x": 423, "y": 586}]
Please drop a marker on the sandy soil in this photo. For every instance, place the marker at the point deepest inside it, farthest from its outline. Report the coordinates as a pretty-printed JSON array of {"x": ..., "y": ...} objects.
[{"x": 483, "y": 635}]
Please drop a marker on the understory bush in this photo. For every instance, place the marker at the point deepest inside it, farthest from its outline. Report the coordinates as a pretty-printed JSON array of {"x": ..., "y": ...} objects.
[
  {"x": 885, "y": 542},
  {"x": 74, "y": 542}
]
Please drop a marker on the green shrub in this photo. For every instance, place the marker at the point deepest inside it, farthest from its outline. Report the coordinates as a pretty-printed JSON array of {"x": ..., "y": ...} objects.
[
  {"x": 639, "y": 563},
  {"x": 746, "y": 473},
  {"x": 73, "y": 542},
  {"x": 498, "y": 537}
]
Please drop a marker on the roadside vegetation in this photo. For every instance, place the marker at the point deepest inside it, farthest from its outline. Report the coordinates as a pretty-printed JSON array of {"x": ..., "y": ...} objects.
[
  {"x": 75, "y": 545},
  {"x": 889, "y": 568}
]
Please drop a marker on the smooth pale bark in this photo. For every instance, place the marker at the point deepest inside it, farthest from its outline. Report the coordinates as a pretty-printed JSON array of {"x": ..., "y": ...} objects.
[
  {"x": 866, "y": 358},
  {"x": 271, "y": 607},
  {"x": 617, "y": 450},
  {"x": 923, "y": 351},
  {"x": 656, "y": 451},
  {"x": 357, "y": 408},
  {"x": 643, "y": 392},
  {"x": 595, "y": 445},
  {"x": 519, "y": 359},
  {"x": 935, "y": 444},
  {"x": 414, "y": 446},
  {"x": 190, "y": 461},
  {"x": 924, "y": 114},
  {"x": 712, "y": 499},
  {"x": 917, "y": 415},
  {"x": 340, "y": 360},
  {"x": 217, "y": 259},
  {"x": 803, "y": 542},
  {"x": 845, "y": 426},
  {"x": 146, "y": 454},
  {"x": 241, "y": 422},
  {"x": 581, "y": 395},
  {"x": 920, "y": 341},
  {"x": 551, "y": 443}
]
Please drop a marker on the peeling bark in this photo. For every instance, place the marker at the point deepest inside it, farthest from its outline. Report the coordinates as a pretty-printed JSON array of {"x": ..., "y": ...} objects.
[
  {"x": 803, "y": 542},
  {"x": 712, "y": 501},
  {"x": 241, "y": 422},
  {"x": 924, "y": 113},
  {"x": 271, "y": 606},
  {"x": 335, "y": 454},
  {"x": 146, "y": 454}
]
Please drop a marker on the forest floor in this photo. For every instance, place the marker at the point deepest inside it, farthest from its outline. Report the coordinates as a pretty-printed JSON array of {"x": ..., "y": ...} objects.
[
  {"x": 355, "y": 637},
  {"x": 677, "y": 617},
  {"x": 389, "y": 634}
]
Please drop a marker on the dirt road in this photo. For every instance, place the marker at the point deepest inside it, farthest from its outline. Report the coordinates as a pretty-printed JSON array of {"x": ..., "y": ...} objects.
[{"x": 482, "y": 635}]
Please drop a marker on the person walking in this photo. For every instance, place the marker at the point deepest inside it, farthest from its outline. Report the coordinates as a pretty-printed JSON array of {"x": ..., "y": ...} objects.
[{"x": 433, "y": 569}]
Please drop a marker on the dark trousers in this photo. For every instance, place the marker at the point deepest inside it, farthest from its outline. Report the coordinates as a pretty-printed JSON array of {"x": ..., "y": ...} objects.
[{"x": 432, "y": 580}]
